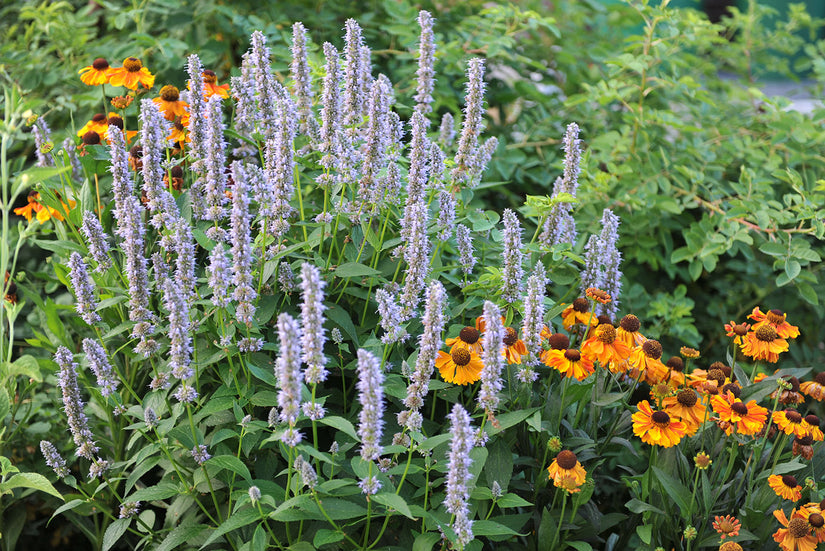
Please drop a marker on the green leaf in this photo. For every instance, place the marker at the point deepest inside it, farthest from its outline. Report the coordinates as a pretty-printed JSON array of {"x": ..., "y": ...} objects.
[
  {"x": 68, "y": 506},
  {"x": 390, "y": 500},
  {"x": 792, "y": 268},
  {"x": 235, "y": 521},
  {"x": 341, "y": 424},
  {"x": 425, "y": 541},
  {"x": 231, "y": 463},
  {"x": 491, "y": 528},
  {"x": 580, "y": 545},
  {"x": 807, "y": 292},
  {"x": 636, "y": 506},
  {"x": 5, "y": 403},
  {"x": 30, "y": 480},
  {"x": 114, "y": 531},
  {"x": 164, "y": 490},
  {"x": 27, "y": 366},
  {"x": 774, "y": 249},
  {"x": 325, "y": 536},
  {"x": 674, "y": 490},
  {"x": 512, "y": 500},
  {"x": 353, "y": 269},
  {"x": 645, "y": 533}
]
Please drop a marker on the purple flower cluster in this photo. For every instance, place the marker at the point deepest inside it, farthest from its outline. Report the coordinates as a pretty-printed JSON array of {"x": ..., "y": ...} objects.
[
  {"x": 241, "y": 238},
  {"x": 154, "y": 129},
  {"x": 299, "y": 71},
  {"x": 313, "y": 335},
  {"x": 99, "y": 363},
  {"x": 512, "y": 271},
  {"x": 83, "y": 289},
  {"x": 371, "y": 398},
  {"x": 215, "y": 161},
  {"x": 73, "y": 405},
  {"x": 534, "y": 313},
  {"x": 426, "y": 64},
  {"x": 96, "y": 240},
  {"x": 53, "y": 458},
  {"x": 390, "y": 317},
  {"x": 492, "y": 358},
  {"x": 473, "y": 123},
  {"x": 602, "y": 263},
  {"x": 464, "y": 240},
  {"x": 458, "y": 475},
  {"x": 288, "y": 373}
]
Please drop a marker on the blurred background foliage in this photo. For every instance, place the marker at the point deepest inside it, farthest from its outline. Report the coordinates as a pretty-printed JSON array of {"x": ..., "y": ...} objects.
[{"x": 721, "y": 189}]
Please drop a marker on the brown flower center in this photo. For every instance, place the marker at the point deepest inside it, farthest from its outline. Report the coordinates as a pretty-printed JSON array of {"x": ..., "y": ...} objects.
[
  {"x": 652, "y": 349},
  {"x": 100, "y": 64},
  {"x": 630, "y": 323},
  {"x": 806, "y": 440},
  {"x": 820, "y": 378},
  {"x": 606, "y": 333},
  {"x": 798, "y": 528},
  {"x": 766, "y": 333},
  {"x": 469, "y": 335},
  {"x": 689, "y": 352},
  {"x": 116, "y": 121},
  {"x": 789, "y": 481},
  {"x": 660, "y": 418},
  {"x": 91, "y": 138},
  {"x": 136, "y": 151},
  {"x": 169, "y": 93},
  {"x": 741, "y": 329},
  {"x": 730, "y": 546},
  {"x": 687, "y": 398},
  {"x": 793, "y": 416},
  {"x": 461, "y": 356},
  {"x": 598, "y": 295},
  {"x": 210, "y": 77},
  {"x": 566, "y": 459},
  {"x": 573, "y": 355},
  {"x": 740, "y": 408},
  {"x": 99, "y": 117},
  {"x": 702, "y": 460},
  {"x": 676, "y": 364},
  {"x": 816, "y": 520},
  {"x": 581, "y": 305},
  {"x": 177, "y": 171},
  {"x": 559, "y": 341},
  {"x": 812, "y": 420},
  {"x": 510, "y": 336},
  {"x": 132, "y": 64},
  {"x": 733, "y": 389},
  {"x": 794, "y": 383},
  {"x": 716, "y": 375},
  {"x": 726, "y": 525},
  {"x": 776, "y": 317}
]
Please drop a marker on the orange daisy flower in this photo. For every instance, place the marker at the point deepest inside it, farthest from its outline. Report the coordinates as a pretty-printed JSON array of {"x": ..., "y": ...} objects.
[
  {"x": 645, "y": 359},
  {"x": 514, "y": 347},
  {"x": 42, "y": 212},
  {"x": 99, "y": 123},
  {"x": 131, "y": 74},
  {"x": 570, "y": 363},
  {"x": 687, "y": 408},
  {"x": 628, "y": 331},
  {"x": 764, "y": 343},
  {"x": 117, "y": 120},
  {"x": 460, "y": 366},
  {"x": 727, "y": 526},
  {"x": 747, "y": 418},
  {"x": 796, "y": 536},
  {"x": 95, "y": 74},
  {"x": 180, "y": 130},
  {"x": 468, "y": 338},
  {"x": 170, "y": 103},
  {"x": 656, "y": 427},
  {"x": 566, "y": 472},
  {"x": 776, "y": 319},
  {"x": 604, "y": 347},
  {"x": 785, "y": 486},
  {"x": 790, "y": 421},
  {"x": 813, "y": 514},
  {"x": 578, "y": 312},
  {"x": 811, "y": 425},
  {"x": 210, "y": 86},
  {"x": 816, "y": 388},
  {"x": 737, "y": 331}
]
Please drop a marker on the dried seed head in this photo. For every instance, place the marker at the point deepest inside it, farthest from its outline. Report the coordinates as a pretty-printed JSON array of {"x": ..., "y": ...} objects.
[
  {"x": 100, "y": 64},
  {"x": 169, "y": 93},
  {"x": 816, "y": 520},
  {"x": 676, "y": 364},
  {"x": 716, "y": 375},
  {"x": 652, "y": 349},
  {"x": 776, "y": 317},
  {"x": 606, "y": 333},
  {"x": 687, "y": 398},
  {"x": 812, "y": 420},
  {"x": 132, "y": 64},
  {"x": 630, "y": 323},
  {"x": 733, "y": 389},
  {"x": 581, "y": 305},
  {"x": 793, "y": 416}
]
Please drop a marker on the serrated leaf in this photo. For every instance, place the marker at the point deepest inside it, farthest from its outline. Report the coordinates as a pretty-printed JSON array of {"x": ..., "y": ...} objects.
[
  {"x": 325, "y": 536},
  {"x": 394, "y": 501},
  {"x": 30, "y": 480},
  {"x": 235, "y": 521},
  {"x": 27, "y": 366},
  {"x": 114, "y": 531},
  {"x": 153, "y": 493},
  {"x": 341, "y": 424},
  {"x": 231, "y": 463},
  {"x": 354, "y": 269}
]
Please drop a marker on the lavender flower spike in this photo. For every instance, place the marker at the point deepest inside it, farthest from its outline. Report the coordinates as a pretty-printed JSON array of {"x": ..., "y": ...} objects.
[
  {"x": 512, "y": 272},
  {"x": 300, "y": 73},
  {"x": 492, "y": 358},
  {"x": 331, "y": 109},
  {"x": 73, "y": 405},
  {"x": 53, "y": 458},
  {"x": 312, "y": 321},
  {"x": 83, "y": 289},
  {"x": 180, "y": 350},
  {"x": 603, "y": 261},
  {"x": 572, "y": 159},
  {"x": 428, "y": 345},
  {"x": 96, "y": 240},
  {"x": 99, "y": 362},
  {"x": 458, "y": 475},
  {"x": 534, "y": 313},
  {"x": 242, "y": 246},
  {"x": 464, "y": 240},
  {"x": 219, "y": 276},
  {"x": 154, "y": 129},
  {"x": 288, "y": 374},
  {"x": 426, "y": 62},
  {"x": 370, "y": 420},
  {"x": 42, "y": 142},
  {"x": 473, "y": 122},
  {"x": 354, "y": 98},
  {"x": 416, "y": 255},
  {"x": 390, "y": 317}
]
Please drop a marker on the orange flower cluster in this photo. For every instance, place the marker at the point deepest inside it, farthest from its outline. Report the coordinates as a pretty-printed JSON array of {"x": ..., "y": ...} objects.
[
  {"x": 802, "y": 530},
  {"x": 42, "y": 212},
  {"x": 463, "y": 365}
]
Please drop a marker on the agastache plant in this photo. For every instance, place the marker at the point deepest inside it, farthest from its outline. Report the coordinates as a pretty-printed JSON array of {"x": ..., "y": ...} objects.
[{"x": 458, "y": 475}]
